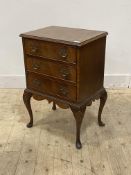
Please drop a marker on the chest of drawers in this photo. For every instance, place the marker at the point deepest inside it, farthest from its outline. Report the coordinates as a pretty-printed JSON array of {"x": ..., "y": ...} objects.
[{"x": 66, "y": 67}]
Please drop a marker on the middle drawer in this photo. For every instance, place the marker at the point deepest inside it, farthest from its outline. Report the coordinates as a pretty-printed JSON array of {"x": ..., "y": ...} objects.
[{"x": 53, "y": 69}]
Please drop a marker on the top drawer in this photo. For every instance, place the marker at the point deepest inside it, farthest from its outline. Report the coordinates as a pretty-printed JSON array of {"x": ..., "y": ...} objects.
[{"x": 50, "y": 50}]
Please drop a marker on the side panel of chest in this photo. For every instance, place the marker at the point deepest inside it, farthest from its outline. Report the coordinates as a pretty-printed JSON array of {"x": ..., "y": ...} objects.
[{"x": 90, "y": 68}]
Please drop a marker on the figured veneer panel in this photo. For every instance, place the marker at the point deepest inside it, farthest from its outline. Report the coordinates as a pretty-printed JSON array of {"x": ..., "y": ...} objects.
[
  {"x": 48, "y": 86},
  {"x": 51, "y": 68},
  {"x": 56, "y": 51}
]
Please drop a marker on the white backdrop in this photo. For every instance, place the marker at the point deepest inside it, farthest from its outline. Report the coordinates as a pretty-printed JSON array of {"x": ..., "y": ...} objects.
[{"x": 18, "y": 16}]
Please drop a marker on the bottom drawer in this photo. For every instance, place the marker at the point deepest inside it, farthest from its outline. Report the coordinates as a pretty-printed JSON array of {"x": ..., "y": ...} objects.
[{"x": 44, "y": 85}]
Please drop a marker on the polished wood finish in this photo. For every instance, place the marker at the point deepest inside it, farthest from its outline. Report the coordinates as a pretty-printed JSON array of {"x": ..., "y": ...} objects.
[
  {"x": 50, "y": 50},
  {"x": 66, "y": 35},
  {"x": 66, "y": 67},
  {"x": 46, "y": 85},
  {"x": 90, "y": 78},
  {"x": 47, "y": 67}
]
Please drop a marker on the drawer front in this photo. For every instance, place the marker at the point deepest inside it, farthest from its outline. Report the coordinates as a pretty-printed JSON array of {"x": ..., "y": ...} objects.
[
  {"x": 44, "y": 85},
  {"x": 51, "y": 68},
  {"x": 50, "y": 50}
]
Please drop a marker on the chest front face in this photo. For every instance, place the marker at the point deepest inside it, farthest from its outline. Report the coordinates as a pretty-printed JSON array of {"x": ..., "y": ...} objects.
[{"x": 64, "y": 70}]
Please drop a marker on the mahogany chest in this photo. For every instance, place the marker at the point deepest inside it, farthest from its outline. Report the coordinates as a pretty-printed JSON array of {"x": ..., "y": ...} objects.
[{"x": 66, "y": 67}]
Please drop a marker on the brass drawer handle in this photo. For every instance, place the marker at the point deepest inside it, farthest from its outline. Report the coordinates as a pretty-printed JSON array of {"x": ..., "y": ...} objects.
[
  {"x": 36, "y": 82},
  {"x": 63, "y": 91},
  {"x": 64, "y": 73},
  {"x": 63, "y": 52},
  {"x": 36, "y": 66},
  {"x": 34, "y": 50}
]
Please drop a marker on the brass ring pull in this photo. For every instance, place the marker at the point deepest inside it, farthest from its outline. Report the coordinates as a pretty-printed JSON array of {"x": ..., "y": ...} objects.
[
  {"x": 34, "y": 50},
  {"x": 63, "y": 91},
  {"x": 64, "y": 73},
  {"x": 63, "y": 52},
  {"x": 36, "y": 66}
]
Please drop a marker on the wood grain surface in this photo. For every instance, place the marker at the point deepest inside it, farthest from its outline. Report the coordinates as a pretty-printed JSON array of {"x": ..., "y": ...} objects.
[{"x": 71, "y": 36}]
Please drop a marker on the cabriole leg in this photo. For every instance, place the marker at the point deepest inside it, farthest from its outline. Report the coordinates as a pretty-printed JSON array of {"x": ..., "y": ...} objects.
[
  {"x": 103, "y": 99},
  {"x": 26, "y": 98},
  {"x": 78, "y": 114}
]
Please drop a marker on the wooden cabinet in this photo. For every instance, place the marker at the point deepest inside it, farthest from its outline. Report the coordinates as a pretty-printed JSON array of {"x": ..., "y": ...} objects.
[{"x": 66, "y": 67}]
